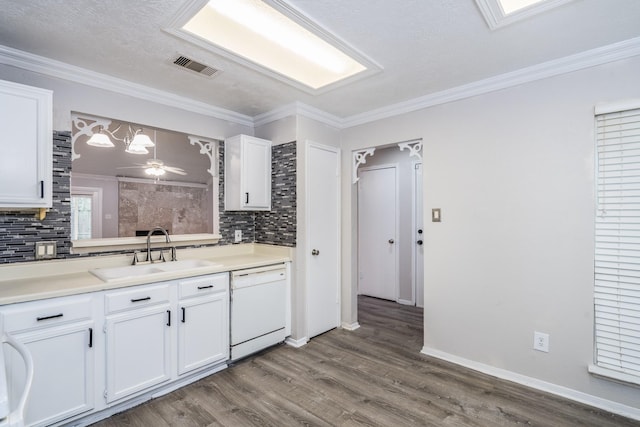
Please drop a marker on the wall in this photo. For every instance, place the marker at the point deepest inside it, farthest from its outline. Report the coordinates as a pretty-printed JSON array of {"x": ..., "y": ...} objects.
[
  {"x": 179, "y": 209},
  {"x": 406, "y": 237},
  {"x": 71, "y": 96},
  {"x": 512, "y": 172}
]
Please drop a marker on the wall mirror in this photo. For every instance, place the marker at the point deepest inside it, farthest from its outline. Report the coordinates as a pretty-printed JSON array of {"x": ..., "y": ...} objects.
[{"x": 128, "y": 178}]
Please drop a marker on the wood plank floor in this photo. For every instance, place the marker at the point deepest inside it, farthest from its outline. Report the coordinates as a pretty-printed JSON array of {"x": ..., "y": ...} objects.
[{"x": 374, "y": 376}]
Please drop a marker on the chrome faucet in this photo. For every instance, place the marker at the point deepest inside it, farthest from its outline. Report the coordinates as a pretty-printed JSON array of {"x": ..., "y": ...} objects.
[{"x": 168, "y": 240}]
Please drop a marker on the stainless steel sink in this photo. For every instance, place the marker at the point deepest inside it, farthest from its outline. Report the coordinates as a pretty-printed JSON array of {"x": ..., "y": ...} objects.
[{"x": 108, "y": 274}]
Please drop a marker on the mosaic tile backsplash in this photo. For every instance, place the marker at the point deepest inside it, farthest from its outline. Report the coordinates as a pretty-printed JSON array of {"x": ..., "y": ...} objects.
[{"x": 20, "y": 230}]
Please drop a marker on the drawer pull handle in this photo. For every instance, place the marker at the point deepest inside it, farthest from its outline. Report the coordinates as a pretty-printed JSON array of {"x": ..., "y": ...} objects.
[
  {"x": 90, "y": 337},
  {"x": 141, "y": 299},
  {"x": 168, "y": 317},
  {"x": 205, "y": 287},
  {"x": 184, "y": 310},
  {"x": 55, "y": 316}
]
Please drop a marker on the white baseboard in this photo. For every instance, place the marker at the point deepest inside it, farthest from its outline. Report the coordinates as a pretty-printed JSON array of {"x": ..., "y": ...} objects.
[
  {"x": 578, "y": 396},
  {"x": 296, "y": 343},
  {"x": 350, "y": 326},
  {"x": 405, "y": 302}
]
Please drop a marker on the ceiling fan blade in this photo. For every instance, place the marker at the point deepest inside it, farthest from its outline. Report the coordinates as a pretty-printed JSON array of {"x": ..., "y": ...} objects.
[
  {"x": 174, "y": 170},
  {"x": 131, "y": 167}
]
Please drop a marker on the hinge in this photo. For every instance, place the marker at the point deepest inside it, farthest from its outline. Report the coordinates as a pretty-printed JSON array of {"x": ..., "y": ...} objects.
[
  {"x": 104, "y": 328},
  {"x": 105, "y": 394}
]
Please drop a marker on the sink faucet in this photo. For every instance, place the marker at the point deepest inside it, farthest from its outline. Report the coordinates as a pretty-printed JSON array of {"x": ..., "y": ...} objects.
[{"x": 168, "y": 240}]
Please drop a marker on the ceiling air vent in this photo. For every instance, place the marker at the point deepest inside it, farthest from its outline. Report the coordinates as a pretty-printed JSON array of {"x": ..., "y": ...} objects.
[{"x": 190, "y": 64}]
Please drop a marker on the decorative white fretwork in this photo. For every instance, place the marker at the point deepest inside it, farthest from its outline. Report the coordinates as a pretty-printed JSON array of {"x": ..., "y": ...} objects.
[
  {"x": 84, "y": 128},
  {"x": 359, "y": 158},
  {"x": 207, "y": 147},
  {"x": 414, "y": 147}
]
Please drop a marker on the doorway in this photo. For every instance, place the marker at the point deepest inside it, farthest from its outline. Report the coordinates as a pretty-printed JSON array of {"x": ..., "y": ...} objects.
[{"x": 409, "y": 235}]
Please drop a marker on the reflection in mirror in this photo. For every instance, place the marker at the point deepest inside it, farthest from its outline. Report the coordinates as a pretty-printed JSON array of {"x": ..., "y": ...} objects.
[{"x": 120, "y": 188}]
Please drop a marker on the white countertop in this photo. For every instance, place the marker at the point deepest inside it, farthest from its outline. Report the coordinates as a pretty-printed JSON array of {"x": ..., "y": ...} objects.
[{"x": 28, "y": 281}]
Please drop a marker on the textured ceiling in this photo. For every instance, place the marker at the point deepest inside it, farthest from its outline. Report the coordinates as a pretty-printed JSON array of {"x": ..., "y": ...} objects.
[{"x": 424, "y": 46}]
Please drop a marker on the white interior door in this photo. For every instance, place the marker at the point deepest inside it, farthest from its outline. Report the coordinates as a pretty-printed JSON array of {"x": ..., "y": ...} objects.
[
  {"x": 323, "y": 238},
  {"x": 377, "y": 232},
  {"x": 419, "y": 236}
]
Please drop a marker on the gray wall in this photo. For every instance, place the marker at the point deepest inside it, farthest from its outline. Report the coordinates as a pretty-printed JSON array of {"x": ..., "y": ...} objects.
[{"x": 513, "y": 172}]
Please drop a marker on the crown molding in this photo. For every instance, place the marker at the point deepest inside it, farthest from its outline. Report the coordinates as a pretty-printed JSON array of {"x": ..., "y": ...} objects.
[
  {"x": 591, "y": 58},
  {"x": 298, "y": 109},
  {"x": 61, "y": 70}
]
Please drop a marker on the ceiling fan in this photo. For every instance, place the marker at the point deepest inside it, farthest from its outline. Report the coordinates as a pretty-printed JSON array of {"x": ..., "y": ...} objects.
[{"x": 155, "y": 167}]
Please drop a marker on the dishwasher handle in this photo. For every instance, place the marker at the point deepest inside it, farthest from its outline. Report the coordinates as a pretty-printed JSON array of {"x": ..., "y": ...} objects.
[{"x": 254, "y": 279}]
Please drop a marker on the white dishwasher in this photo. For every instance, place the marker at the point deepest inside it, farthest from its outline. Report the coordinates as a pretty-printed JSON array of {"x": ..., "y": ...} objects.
[{"x": 258, "y": 309}]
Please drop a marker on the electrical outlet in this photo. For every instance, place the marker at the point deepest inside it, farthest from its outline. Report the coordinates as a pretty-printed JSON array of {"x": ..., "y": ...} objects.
[
  {"x": 45, "y": 249},
  {"x": 238, "y": 236},
  {"x": 541, "y": 341}
]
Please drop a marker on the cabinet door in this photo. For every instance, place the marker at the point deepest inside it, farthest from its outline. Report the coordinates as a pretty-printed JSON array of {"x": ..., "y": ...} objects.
[
  {"x": 138, "y": 350},
  {"x": 247, "y": 174},
  {"x": 26, "y": 161},
  {"x": 203, "y": 332},
  {"x": 64, "y": 370},
  {"x": 256, "y": 174}
]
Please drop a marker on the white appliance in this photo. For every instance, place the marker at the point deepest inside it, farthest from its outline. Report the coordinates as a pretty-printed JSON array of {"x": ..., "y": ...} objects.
[{"x": 258, "y": 309}]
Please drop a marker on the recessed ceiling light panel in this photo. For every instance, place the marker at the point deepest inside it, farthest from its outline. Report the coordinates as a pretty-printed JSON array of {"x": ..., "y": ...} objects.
[{"x": 272, "y": 37}]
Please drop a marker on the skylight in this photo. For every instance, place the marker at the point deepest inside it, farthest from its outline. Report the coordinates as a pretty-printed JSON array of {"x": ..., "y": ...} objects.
[
  {"x": 255, "y": 33},
  {"x": 499, "y": 13},
  {"x": 510, "y": 6}
]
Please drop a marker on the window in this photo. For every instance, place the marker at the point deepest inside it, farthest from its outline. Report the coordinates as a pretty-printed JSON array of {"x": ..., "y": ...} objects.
[
  {"x": 86, "y": 213},
  {"x": 617, "y": 246}
]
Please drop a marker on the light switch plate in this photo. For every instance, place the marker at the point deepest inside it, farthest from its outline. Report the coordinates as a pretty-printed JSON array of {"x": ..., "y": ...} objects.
[
  {"x": 435, "y": 215},
  {"x": 238, "y": 236}
]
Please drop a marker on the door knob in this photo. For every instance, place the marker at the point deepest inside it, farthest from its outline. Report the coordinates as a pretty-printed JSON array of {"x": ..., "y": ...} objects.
[
  {"x": 419, "y": 242},
  {"x": 391, "y": 241},
  {"x": 315, "y": 252}
]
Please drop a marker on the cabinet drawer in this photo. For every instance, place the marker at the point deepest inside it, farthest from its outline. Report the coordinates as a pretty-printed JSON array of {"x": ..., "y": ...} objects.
[
  {"x": 203, "y": 285},
  {"x": 31, "y": 315},
  {"x": 136, "y": 297}
]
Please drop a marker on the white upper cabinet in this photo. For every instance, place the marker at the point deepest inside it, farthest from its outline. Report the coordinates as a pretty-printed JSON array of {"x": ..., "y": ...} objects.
[
  {"x": 247, "y": 174},
  {"x": 26, "y": 140}
]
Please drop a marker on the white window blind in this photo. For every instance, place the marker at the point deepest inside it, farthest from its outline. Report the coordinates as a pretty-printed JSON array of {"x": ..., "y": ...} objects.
[{"x": 617, "y": 246}]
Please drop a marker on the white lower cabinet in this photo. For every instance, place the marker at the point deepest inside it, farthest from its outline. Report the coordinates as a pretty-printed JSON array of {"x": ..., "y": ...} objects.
[
  {"x": 155, "y": 330},
  {"x": 203, "y": 329},
  {"x": 138, "y": 350},
  {"x": 94, "y": 352},
  {"x": 59, "y": 334}
]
